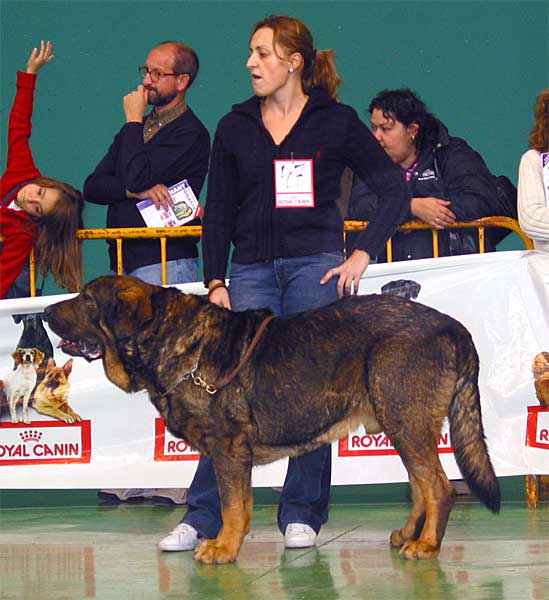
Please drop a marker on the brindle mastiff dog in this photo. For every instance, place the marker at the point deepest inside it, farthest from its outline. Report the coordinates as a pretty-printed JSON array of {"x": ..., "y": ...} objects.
[{"x": 246, "y": 391}]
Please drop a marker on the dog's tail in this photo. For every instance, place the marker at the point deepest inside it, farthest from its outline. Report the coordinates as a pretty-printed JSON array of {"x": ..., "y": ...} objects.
[{"x": 466, "y": 430}]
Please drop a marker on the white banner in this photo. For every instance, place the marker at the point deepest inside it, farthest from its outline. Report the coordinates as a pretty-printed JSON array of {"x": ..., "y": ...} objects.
[{"x": 502, "y": 298}]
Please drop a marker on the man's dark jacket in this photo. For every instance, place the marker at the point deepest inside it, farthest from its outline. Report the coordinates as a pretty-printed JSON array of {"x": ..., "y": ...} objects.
[{"x": 179, "y": 150}]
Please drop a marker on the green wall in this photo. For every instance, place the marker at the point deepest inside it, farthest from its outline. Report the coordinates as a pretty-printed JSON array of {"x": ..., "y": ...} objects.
[{"x": 477, "y": 64}]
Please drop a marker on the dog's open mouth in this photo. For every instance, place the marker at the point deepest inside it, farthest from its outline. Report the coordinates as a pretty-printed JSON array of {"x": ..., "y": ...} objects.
[{"x": 90, "y": 350}]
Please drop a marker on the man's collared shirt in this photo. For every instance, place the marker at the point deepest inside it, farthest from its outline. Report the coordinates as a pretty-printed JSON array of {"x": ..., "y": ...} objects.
[{"x": 155, "y": 122}]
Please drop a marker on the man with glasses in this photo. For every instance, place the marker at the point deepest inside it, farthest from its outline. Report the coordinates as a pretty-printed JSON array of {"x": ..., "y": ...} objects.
[{"x": 149, "y": 154}]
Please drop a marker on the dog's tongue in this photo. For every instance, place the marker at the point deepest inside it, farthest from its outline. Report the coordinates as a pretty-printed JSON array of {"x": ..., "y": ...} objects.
[{"x": 88, "y": 351}]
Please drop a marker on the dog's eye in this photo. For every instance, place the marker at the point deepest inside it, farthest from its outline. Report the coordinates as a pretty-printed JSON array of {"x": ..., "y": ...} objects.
[{"x": 88, "y": 301}]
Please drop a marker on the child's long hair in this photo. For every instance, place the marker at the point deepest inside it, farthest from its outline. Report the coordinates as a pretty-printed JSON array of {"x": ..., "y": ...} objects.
[
  {"x": 319, "y": 68},
  {"x": 539, "y": 136},
  {"x": 57, "y": 249}
]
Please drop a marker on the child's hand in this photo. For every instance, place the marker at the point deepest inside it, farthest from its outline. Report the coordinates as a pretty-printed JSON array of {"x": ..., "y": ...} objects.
[{"x": 39, "y": 58}]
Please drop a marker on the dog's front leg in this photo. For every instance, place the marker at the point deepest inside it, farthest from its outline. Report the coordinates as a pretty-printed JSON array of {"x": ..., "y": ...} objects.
[
  {"x": 234, "y": 481},
  {"x": 26, "y": 399},
  {"x": 13, "y": 412}
]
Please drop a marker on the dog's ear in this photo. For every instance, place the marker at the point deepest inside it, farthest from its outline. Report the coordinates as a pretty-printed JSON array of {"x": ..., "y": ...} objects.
[
  {"x": 67, "y": 367},
  {"x": 38, "y": 356},
  {"x": 50, "y": 364},
  {"x": 136, "y": 309},
  {"x": 17, "y": 357}
]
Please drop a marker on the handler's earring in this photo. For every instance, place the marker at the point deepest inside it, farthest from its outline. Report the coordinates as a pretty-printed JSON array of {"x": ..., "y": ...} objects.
[{"x": 291, "y": 70}]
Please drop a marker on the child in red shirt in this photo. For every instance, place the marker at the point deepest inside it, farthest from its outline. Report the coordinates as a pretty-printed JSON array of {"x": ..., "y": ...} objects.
[{"x": 35, "y": 211}]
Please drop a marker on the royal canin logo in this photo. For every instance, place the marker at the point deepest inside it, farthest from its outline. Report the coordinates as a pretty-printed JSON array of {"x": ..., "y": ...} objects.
[
  {"x": 168, "y": 447},
  {"x": 537, "y": 427},
  {"x": 45, "y": 442},
  {"x": 360, "y": 443}
]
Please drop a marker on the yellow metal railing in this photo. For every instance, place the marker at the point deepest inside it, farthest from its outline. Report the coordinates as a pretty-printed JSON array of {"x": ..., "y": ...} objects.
[
  {"x": 163, "y": 233},
  {"x": 479, "y": 224}
]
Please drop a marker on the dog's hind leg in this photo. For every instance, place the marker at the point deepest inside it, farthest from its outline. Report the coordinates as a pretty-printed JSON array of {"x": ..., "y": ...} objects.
[
  {"x": 234, "y": 480},
  {"x": 416, "y": 520},
  {"x": 437, "y": 498}
]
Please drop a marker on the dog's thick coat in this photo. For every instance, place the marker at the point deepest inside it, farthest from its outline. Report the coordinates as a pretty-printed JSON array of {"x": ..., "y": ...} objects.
[{"x": 389, "y": 363}]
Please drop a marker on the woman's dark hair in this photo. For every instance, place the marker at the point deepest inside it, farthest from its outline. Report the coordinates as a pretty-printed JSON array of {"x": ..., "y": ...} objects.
[
  {"x": 405, "y": 106},
  {"x": 57, "y": 249},
  {"x": 539, "y": 136},
  {"x": 319, "y": 68}
]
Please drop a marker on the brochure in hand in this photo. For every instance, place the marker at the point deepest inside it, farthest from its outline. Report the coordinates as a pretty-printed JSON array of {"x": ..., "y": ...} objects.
[{"x": 186, "y": 208}]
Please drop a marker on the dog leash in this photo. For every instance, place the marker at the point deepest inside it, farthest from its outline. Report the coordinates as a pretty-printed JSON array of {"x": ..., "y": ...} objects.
[{"x": 221, "y": 383}]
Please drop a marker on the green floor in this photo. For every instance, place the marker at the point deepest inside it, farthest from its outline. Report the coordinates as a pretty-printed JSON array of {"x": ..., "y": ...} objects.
[{"x": 56, "y": 545}]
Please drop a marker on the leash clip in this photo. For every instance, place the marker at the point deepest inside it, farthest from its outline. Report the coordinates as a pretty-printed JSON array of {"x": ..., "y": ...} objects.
[{"x": 197, "y": 380}]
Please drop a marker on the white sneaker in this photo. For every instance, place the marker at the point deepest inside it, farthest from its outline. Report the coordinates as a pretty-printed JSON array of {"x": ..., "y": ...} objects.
[
  {"x": 125, "y": 494},
  {"x": 182, "y": 538},
  {"x": 299, "y": 535}
]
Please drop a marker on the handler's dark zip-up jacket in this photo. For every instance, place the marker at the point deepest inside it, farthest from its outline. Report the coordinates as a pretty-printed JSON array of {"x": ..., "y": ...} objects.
[
  {"x": 240, "y": 206},
  {"x": 450, "y": 169}
]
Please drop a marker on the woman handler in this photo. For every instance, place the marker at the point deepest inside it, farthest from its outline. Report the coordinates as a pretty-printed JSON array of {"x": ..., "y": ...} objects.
[{"x": 275, "y": 170}]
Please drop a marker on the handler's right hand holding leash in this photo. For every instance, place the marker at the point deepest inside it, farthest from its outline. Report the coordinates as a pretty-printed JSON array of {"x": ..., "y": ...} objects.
[{"x": 219, "y": 294}]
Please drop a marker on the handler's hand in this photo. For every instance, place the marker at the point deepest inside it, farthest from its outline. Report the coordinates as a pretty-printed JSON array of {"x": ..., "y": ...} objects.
[
  {"x": 135, "y": 104},
  {"x": 157, "y": 193},
  {"x": 433, "y": 211},
  {"x": 220, "y": 296},
  {"x": 39, "y": 58},
  {"x": 349, "y": 273}
]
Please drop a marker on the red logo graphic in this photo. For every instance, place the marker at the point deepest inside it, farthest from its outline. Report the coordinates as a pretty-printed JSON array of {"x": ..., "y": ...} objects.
[
  {"x": 360, "y": 443},
  {"x": 45, "y": 442},
  {"x": 168, "y": 447},
  {"x": 537, "y": 427}
]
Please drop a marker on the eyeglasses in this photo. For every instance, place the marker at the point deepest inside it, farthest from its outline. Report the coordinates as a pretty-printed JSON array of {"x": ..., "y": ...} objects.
[{"x": 155, "y": 74}]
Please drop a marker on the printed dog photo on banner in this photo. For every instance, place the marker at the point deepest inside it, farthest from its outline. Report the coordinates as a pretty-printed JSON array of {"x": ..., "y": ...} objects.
[{"x": 36, "y": 381}]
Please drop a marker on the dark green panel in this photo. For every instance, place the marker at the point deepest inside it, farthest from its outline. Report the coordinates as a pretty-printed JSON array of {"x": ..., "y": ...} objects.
[{"x": 477, "y": 64}]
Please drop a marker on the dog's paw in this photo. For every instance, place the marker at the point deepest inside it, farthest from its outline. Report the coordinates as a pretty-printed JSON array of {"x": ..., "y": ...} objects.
[
  {"x": 397, "y": 539},
  {"x": 71, "y": 417},
  {"x": 212, "y": 552},
  {"x": 415, "y": 549}
]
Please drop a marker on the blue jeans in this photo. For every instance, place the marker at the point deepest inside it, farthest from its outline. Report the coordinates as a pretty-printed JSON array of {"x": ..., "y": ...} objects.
[
  {"x": 182, "y": 270},
  {"x": 286, "y": 286}
]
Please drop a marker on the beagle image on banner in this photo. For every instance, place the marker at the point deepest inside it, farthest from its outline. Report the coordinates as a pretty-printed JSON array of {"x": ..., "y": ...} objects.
[{"x": 20, "y": 383}]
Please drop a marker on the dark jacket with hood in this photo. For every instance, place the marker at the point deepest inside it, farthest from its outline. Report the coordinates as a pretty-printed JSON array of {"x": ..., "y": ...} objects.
[
  {"x": 449, "y": 169},
  {"x": 240, "y": 205}
]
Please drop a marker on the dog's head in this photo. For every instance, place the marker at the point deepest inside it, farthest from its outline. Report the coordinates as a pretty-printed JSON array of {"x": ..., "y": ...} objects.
[
  {"x": 103, "y": 321},
  {"x": 56, "y": 379},
  {"x": 28, "y": 356}
]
